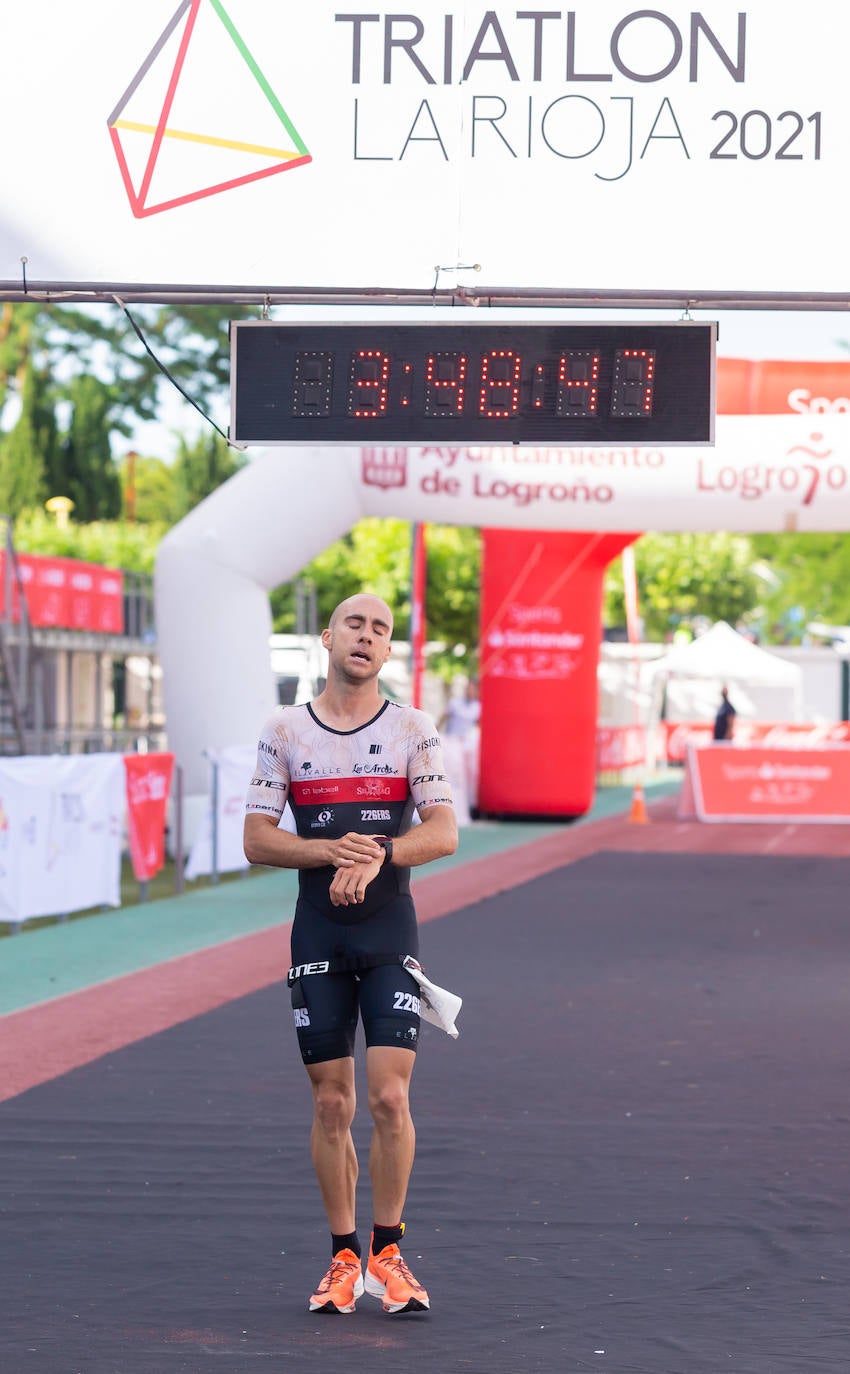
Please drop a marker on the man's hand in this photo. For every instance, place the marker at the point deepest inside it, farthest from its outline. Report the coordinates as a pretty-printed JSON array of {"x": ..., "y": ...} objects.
[
  {"x": 350, "y": 883},
  {"x": 353, "y": 849}
]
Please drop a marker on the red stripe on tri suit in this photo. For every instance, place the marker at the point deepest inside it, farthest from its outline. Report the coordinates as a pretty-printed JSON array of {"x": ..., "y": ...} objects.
[{"x": 322, "y": 791}]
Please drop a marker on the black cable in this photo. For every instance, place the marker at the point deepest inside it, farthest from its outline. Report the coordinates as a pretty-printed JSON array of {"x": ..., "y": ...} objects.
[{"x": 174, "y": 382}]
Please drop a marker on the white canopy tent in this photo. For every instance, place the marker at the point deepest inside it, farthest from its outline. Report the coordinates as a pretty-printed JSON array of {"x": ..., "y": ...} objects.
[{"x": 761, "y": 686}]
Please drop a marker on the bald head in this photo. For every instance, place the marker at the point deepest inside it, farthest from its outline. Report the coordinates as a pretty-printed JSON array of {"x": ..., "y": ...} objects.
[{"x": 372, "y": 608}]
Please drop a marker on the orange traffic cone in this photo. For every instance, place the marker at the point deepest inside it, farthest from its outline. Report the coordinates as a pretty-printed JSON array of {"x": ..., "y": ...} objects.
[{"x": 638, "y": 814}]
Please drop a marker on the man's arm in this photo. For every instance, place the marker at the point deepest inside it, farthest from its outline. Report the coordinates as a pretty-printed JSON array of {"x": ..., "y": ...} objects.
[
  {"x": 265, "y": 844},
  {"x": 434, "y": 838}
]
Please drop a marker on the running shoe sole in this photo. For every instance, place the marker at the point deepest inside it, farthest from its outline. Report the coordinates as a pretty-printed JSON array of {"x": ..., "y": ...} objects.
[
  {"x": 376, "y": 1289},
  {"x": 332, "y": 1307}
]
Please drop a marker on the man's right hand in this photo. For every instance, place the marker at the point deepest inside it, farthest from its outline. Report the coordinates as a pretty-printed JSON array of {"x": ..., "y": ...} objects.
[{"x": 353, "y": 848}]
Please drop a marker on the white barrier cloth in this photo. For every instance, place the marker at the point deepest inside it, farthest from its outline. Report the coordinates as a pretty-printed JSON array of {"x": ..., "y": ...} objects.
[
  {"x": 60, "y": 834},
  {"x": 234, "y": 766}
]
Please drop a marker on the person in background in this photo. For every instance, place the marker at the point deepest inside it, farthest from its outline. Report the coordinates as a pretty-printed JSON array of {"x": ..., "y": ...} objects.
[
  {"x": 724, "y": 721},
  {"x": 459, "y": 730},
  {"x": 354, "y": 767},
  {"x": 462, "y": 713}
]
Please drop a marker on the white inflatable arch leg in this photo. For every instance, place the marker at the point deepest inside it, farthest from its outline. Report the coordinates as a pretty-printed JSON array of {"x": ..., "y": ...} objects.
[{"x": 213, "y": 574}]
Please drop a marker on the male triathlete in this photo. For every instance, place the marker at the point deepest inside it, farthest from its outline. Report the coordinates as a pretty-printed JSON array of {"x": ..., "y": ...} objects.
[{"x": 353, "y": 766}]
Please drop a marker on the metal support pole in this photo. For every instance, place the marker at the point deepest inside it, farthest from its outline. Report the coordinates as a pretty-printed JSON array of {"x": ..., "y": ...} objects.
[
  {"x": 179, "y": 863},
  {"x": 214, "y": 835}
]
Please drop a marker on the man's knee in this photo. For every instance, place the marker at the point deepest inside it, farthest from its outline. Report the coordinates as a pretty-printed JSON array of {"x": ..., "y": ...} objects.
[
  {"x": 389, "y": 1102},
  {"x": 333, "y": 1106}
]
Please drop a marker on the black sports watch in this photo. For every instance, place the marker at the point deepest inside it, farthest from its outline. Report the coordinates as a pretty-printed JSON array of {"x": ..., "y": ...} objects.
[{"x": 387, "y": 846}]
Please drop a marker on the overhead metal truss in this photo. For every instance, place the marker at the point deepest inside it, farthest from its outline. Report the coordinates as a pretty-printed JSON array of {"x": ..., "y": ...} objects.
[{"x": 565, "y": 298}]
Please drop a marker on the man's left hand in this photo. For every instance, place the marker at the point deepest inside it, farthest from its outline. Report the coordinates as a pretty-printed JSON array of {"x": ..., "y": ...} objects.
[{"x": 349, "y": 884}]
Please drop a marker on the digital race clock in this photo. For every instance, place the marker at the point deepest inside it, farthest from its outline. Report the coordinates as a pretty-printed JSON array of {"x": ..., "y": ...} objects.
[{"x": 470, "y": 382}]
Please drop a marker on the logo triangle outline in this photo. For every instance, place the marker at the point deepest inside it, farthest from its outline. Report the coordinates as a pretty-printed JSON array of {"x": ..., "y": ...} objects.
[{"x": 290, "y": 158}]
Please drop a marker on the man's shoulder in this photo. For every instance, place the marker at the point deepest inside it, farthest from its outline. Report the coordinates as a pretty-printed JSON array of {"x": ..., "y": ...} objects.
[{"x": 416, "y": 718}]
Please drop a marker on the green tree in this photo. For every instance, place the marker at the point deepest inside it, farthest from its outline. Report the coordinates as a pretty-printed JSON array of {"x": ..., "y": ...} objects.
[
  {"x": 808, "y": 579},
  {"x": 684, "y": 576},
  {"x": 28, "y": 448},
  {"x": 130, "y": 352},
  {"x": 149, "y": 489},
  {"x": 90, "y": 476},
  {"x": 114, "y": 543},
  {"x": 200, "y": 466}
]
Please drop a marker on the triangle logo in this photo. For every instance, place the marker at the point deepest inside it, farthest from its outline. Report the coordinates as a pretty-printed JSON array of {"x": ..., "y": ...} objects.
[{"x": 176, "y": 140}]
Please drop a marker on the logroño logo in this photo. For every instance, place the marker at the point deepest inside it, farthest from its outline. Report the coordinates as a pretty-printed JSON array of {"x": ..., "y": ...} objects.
[{"x": 174, "y": 136}]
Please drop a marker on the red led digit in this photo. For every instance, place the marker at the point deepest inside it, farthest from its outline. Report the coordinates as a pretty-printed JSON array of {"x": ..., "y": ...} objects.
[
  {"x": 498, "y": 395},
  {"x": 578, "y": 383},
  {"x": 633, "y": 384},
  {"x": 368, "y": 383},
  {"x": 445, "y": 383}
]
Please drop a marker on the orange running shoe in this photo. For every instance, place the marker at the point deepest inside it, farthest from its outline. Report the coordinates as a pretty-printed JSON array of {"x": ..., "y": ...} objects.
[
  {"x": 388, "y": 1278},
  {"x": 341, "y": 1286}
]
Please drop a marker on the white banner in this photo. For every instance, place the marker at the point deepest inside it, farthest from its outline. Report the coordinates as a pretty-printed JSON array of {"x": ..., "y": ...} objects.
[
  {"x": 217, "y": 846},
  {"x": 766, "y": 472},
  {"x": 60, "y": 834},
  {"x": 595, "y": 146}
]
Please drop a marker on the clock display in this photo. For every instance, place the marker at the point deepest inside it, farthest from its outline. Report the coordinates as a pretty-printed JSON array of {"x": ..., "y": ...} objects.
[{"x": 472, "y": 383}]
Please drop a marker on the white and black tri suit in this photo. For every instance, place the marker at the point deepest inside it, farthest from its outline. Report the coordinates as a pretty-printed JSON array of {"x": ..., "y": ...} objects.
[{"x": 369, "y": 780}]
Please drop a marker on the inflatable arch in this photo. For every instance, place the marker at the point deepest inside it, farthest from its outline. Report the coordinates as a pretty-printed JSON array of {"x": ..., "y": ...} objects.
[{"x": 540, "y": 610}]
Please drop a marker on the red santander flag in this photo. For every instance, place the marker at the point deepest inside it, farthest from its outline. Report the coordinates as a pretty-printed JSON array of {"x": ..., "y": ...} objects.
[{"x": 148, "y": 785}]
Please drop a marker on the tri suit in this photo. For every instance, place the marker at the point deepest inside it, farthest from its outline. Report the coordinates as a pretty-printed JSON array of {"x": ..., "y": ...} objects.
[{"x": 369, "y": 780}]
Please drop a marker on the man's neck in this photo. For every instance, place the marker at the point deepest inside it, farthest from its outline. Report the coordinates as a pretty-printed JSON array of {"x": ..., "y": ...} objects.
[{"x": 345, "y": 707}]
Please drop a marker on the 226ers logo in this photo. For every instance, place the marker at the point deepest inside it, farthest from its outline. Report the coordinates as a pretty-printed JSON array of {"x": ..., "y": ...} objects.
[{"x": 375, "y": 813}]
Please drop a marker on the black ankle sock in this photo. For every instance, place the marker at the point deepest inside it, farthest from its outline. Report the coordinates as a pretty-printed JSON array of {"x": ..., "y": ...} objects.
[
  {"x": 349, "y": 1242},
  {"x": 386, "y": 1235}
]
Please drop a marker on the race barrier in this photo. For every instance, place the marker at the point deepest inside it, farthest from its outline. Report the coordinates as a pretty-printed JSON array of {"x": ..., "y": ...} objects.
[
  {"x": 62, "y": 829},
  {"x": 679, "y": 735},
  {"x": 726, "y": 782},
  {"x": 64, "y": 593}
]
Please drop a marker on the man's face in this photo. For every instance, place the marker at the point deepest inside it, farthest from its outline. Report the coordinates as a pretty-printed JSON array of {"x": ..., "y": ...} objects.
[{"x": 358, "y": 640}]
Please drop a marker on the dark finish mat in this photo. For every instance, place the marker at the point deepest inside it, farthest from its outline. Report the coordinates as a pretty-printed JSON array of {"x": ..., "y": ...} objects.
[{"x": 635, "y": 1159}]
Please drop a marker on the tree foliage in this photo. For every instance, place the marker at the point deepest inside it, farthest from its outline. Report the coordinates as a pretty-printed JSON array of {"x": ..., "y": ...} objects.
[
  {"x": 201, "y": 465},
  {"x": 809, "y": 580},
  {"x": 23, "y": 464},
  {"x": 89, "y": 476},
  {"x": 682, "y": 577},
  {"x": 114, "y": 543}
]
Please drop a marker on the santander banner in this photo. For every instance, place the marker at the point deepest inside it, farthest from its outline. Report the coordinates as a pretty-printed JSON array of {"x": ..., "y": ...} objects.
[
  {"x": 728, "y": 783},
  {"x": 541, "y": 602}
]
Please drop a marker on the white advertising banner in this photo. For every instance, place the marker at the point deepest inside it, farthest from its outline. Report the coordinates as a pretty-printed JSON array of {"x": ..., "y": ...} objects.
[
  {"x": 60, "y": 834},
  {"x": 592, "y": 146},
  {"x": 217, "y": 846},
  {"x": 764, "y": 473}
]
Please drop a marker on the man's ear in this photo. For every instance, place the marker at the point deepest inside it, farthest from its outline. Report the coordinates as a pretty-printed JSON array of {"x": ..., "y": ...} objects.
[{"x": 326, "y": 638}]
